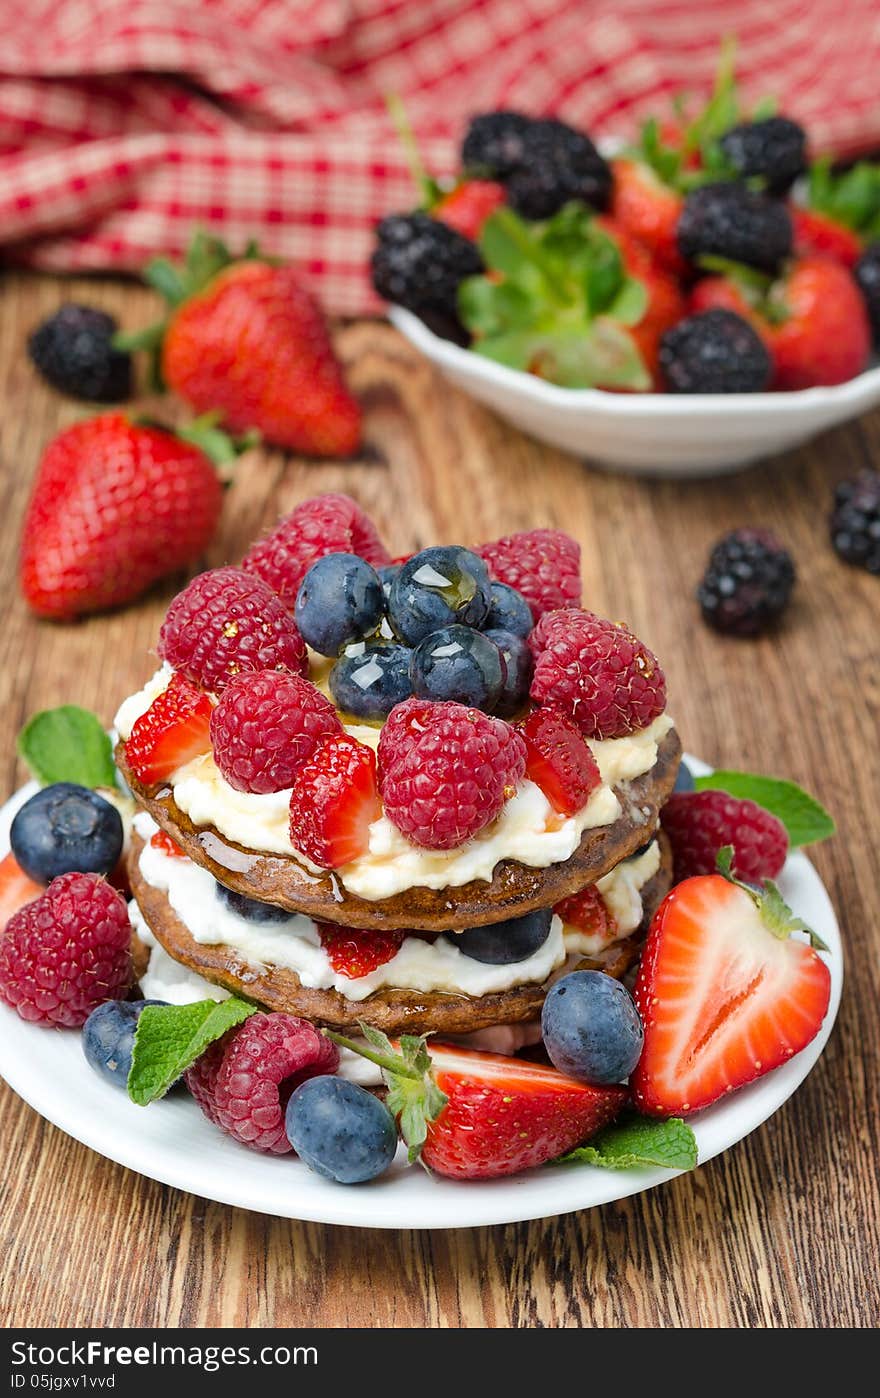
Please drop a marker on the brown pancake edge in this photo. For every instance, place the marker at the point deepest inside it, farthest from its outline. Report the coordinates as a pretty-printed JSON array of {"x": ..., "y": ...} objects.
[
  {"x": 394, "y": 1011},
  {"x": 515, "y": 889}
]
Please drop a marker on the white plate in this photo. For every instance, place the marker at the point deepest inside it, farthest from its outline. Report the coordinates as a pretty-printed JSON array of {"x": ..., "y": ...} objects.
[
  {"x": 172, "y": 1142},
  {"x": 651, "y": 434}
]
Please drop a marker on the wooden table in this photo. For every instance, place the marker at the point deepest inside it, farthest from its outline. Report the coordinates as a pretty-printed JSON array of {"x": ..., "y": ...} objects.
[{"x": 783, "y": 1230}]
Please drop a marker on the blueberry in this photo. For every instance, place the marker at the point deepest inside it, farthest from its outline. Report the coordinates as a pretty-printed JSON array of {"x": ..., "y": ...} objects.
[
  {"x": 684, "y": 780},
  {"x": 591, "y": 1028},
  {"x": 386, "y": 576},
  {"x": 458, "y": 663},
  {"x": 340, "y": 600},
  {"x": 643, "y": 849},
  {"x": 340, "y": 1130},
  {"x": 64, "y": 829},
  {"x": 251, "y": 909},
  {"x": 508, "y": 611},
  {"x": 519, "y": 665},
  {"x": 505, "y": 942},
  {"x": 367, "y": 681},
  {"x": 438, "y": 587},
  {"x": 108, "y": 1036}
]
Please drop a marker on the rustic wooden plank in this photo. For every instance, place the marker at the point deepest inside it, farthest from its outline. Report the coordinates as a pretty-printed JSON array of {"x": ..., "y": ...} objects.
[{"x": 781, "y": 1231}]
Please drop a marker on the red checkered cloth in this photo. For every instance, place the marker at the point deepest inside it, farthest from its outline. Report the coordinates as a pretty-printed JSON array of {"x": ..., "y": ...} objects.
[{"x": 125, "y": 122}]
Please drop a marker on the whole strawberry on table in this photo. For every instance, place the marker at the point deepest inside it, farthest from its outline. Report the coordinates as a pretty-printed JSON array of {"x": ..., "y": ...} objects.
[{"x": 687, "y": 263}]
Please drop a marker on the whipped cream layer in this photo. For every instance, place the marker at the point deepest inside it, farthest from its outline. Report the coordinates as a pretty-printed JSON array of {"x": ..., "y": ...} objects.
[{"x": 526, "y": 830}]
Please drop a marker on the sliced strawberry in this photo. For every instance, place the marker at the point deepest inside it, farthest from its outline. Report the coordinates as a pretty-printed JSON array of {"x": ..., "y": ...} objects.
[
  {"x": 817, "y": 234},
  {"x": 478, "y": 1116},
  {"x": 353, "y": 953},
  {"x": 16, "y": 889},
  {"x": 724, "y": 993},
  {"x": 587, "y": 912},
  {"x": 467, "y": 207},
  {"x": 334, "y": 801},
  {"x": 162, "y": 841},
  {"x": 558, "y": 760},
  {"x": 174, "y": 730}
]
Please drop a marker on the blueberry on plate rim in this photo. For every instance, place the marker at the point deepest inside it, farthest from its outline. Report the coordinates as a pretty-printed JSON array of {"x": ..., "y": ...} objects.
[
  {"x": 340, "y": 1130},
  {"x": 65, "y": 829}
]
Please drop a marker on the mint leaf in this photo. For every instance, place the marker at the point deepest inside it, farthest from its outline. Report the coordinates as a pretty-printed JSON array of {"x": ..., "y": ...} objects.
[
  {"x": 636, "y": 1142},
  {"x": 169, "y": 1039},
  {"x": 802, "y": 815},
  {"x": 68, "y": 745}
]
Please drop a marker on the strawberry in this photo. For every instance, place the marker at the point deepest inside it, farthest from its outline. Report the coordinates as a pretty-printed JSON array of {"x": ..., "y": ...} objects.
[
  {"x": 245, "y": 338},
  {"x": 724, "y": 992},
  {"x": 648, "y": 209},
  {"x": 115, "y": 506},
  {"x": 665, "y": 305},
  {"x": 558, "y": 760},
  {"x": 16, "y": 889},
  {"x": 842, "y": 212},
  {"x": 175, "y": 729},
  {"x": 162, "y": 841},
  {"x": 354, "y": 954},
  {"x": 479, "y": 1116},
  {"x": 467, "y": 206},
  {"x": 334, "y": 801},
  {"x": 812, "y": 318},
  {"x": 818, "y": 235}
]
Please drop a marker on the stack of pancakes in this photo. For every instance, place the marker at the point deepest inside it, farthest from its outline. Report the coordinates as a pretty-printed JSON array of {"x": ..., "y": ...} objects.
[{"x": 626, "y": 857}]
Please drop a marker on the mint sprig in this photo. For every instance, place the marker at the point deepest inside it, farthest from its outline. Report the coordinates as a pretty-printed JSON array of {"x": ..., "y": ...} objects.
[
  {"x": 804, "y": 818},
  {"x": 169, "y": 1039},
  {"x": 637, "y": 1142},
  {"x": 68, "y": 744},
  {"x": 556, "y": 301}
]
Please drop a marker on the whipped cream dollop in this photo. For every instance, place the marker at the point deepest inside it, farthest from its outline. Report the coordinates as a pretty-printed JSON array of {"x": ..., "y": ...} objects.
[{"x": 526, "y": 830}]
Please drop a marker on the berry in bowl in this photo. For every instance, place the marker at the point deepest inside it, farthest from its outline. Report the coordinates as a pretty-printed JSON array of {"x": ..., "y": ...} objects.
[{"x": 675, "y": 309}]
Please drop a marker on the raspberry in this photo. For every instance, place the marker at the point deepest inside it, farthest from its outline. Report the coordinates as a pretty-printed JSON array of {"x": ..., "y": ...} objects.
[
  {"x": 558, "y": 760},
  {"x": 334, "y": 801},
  {"x": 265, "y": 726},
  {"x": 405, "y": 723},
  {"x": 599, "y": 673},
  {"x": 588, "y": 913},
  {"x": 244, "y": 1081},
  {"x": 443, "y": 784},
  {"x": 700, "y": 823},
  {"x": 162, "y": 841},
  {"x": 543, "y": 564},
  {"x": 226, "y": 621},
  {"x": 175, "y": 729},
  {"x": 747, "y": 584},
  {"x": 325, "y": 524},
  {"x": 353, "y": 954},
  {"x": 66, "y": 953}
]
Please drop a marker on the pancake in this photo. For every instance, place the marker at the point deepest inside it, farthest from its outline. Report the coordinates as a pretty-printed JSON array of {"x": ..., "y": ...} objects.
[
  {"x": 515, "y": 889},
  {"x": 394, "y": 1011}
]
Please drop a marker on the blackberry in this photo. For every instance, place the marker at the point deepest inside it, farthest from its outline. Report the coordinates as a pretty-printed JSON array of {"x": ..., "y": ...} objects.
[
  {"x": 419, "y": 264},
  {"x": 747, "y": 584},
  {"x": 773, "y": 150},
  {"x": 731, "y": 221},
  {"x": 867, "y": 275},
  {"x": 493, "y": 144},
  {"x": 714, "y": 352},
  {"x": 558, "y": 164},
  {"x": 855, "y": 521},
  {"x": 74, "y": 353}
]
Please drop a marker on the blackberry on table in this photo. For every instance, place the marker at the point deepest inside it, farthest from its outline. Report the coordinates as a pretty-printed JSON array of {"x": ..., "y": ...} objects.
[
  {"x": 419, "y": 263},
  {"x": 714, "y": 351},
  {"x": 730, "y": 220},
  {"x": 774, "y": 150},
  {"x": 558, "y": 164},
  {"x": 493, "y": 143},
  {"x": 855, "y": 521},
  {"x": 867, "y": 275},
  {"x": 747, "y": 584},
  {"x": 73, "y": 351}
]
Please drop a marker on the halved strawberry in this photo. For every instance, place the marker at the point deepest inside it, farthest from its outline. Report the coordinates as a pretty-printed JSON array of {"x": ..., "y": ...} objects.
[
  {"x": 478, "y": 1116},
  {"x": 162, "y": 841},
  {"x": 558, "y": 760},
  {"x": 334, "y": 801},
  {"x": 587, "y": 912},
  {"x": 174, "y": 730},
  {"x": 467, "y": 207},
  {"x": 353, "y": 953},
  {"x": 724, "y": 993},
  {"x": 16, "y": 889}
]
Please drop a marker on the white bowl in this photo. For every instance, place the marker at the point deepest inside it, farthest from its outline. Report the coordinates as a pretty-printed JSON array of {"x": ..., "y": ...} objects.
[{"x": 651, "y": 434}]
